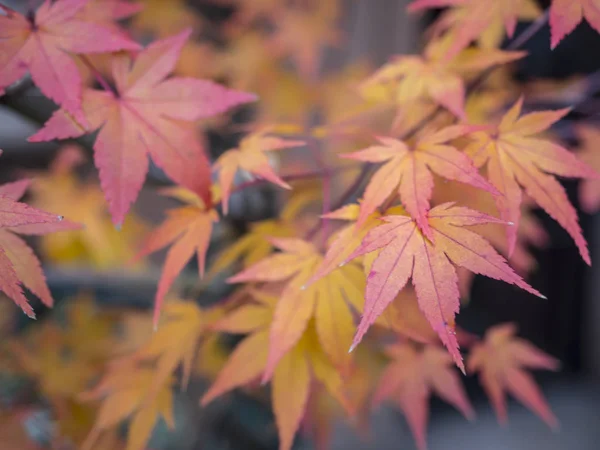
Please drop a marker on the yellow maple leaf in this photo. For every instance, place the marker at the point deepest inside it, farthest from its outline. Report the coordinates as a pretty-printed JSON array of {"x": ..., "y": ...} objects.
[
  {"x": 473, "y": 20},
  {"x": 124, "y": 395},
  {"x": 175, "y": 342},
  {"x": 291, "y": 385},
  {"x": 433, "y": 77},
  {"x": 328, "y": 300}
]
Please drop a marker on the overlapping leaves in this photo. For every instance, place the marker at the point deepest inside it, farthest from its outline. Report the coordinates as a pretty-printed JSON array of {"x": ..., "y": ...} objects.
[
  {"x": 146, "y": 115},
  {"x": 405, "y": 252}
]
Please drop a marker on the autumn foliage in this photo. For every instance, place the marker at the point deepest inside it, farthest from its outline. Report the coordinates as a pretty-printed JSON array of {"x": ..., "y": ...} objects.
[{"x": 394, "y": 185}]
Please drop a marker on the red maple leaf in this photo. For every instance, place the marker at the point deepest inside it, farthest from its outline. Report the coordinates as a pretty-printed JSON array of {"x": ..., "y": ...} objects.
[
  {"x": 565, "y": 15},
  {"x": 18, "y": 264},
  {"x": 407, "y": 253},
  {"x": 147, "y": 115},
  {"x": 410, "y": 379},
  {"x": 501, "y": 360},
  {"x": 408, "y": 169},
  {"x": 516, "y": 156},
  {"x": 43, "y": 43}
]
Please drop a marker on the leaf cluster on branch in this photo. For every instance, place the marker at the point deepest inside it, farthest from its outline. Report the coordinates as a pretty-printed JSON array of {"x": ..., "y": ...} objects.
[{"x": 432, "y": 161}]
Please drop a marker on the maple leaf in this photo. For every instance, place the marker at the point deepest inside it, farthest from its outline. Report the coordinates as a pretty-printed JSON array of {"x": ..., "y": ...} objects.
[
  {"x": 486, "y": 22},
  {"x": 501, "y": 361},
  {"x": 565, "y": 15},
  {"x": 188, "y": 230},
  {"x": 124, "y": 395},
  {"x": 530, "y": 232},
  {"x": 249, "y": 359},
  {"x": 43, "y": 43},
  {"x": 407, "y": 253},
  {"x": 433, "y": 76},
  {"x": 147, "y": 115},
  {"x": 293, "y": 372},
  {"x": 18, "y": 264},
  {"x": 348, "y": 238},
  {"x": 175, "y": 342},
  {"x": 410, "y": 379},
  {"x": 326, "y": 299},
  {"x": 409, "y": 170},
  {"x": 250, "y": 156},
  {"x": 515, "y": 157}
]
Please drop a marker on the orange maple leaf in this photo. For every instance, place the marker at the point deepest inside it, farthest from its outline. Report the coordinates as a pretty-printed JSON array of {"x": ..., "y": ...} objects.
[
  {"x": 434, "y": 76},
  {"x": 293, "y": 373},
  {"x": 250, "y": 156},
  {"x": 327, "y": 300},
  {"x": 18, "y": 264},
  {"x": 409, "y": 170},
  {"x": 407, "y": 253},
  {"x": 43, "y": 43},
  {"x": 515, "y": 157},
  {"x": 501, "y": 360},
  {"x": 188, "y": 230},
  {"x": 147, "y": 115},
  {"x": 410, "y": 379},
  {"x": 486, "y": 22},
  {"x": 565, "y": 15}
]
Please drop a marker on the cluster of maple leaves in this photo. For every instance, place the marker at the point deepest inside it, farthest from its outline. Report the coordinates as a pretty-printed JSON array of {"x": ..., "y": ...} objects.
[{"x": 309, "y": 289}]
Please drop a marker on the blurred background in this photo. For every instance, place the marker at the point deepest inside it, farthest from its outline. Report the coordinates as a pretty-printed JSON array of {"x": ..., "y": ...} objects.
[{"x": 90, "y": 269}]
